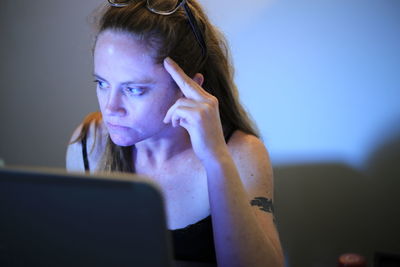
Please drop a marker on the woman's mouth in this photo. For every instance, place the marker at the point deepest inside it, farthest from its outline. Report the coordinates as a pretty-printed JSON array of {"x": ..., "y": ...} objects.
[{"x": 116, "y": 126}]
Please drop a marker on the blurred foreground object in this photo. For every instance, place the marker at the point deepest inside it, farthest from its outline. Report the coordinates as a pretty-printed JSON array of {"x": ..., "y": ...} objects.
[{"x": 351, "y": 260}]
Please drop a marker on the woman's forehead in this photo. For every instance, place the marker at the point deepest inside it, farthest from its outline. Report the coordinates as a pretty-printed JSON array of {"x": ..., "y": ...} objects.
[
  {"x": 117, "y": 41},
  {"x": 119, "y": 54}
]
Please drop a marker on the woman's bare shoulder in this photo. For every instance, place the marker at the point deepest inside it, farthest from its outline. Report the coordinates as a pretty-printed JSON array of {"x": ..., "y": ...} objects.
[
  {"x": 96, "y": 138},
  {"x": 252, "y": 161},
  {"x": 242, "y": 143}
]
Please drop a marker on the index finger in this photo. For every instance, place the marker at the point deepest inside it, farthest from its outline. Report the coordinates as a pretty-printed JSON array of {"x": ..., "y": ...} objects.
[{"x": 189, "y": 88}]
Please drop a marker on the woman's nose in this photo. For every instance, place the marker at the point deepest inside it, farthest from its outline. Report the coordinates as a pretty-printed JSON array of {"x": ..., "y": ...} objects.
[{"x": 114, "y": 104}]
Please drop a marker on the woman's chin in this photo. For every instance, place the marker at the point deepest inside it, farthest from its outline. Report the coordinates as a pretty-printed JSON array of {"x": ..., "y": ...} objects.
[{"x": 121, "y": 141}]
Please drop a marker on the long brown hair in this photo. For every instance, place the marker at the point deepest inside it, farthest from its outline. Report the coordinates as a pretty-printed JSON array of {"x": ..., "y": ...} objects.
[{"x": 172, "y": 36}]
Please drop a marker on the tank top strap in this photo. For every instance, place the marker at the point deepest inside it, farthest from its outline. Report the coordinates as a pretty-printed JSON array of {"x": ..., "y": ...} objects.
[{"x": 84, "y": 153}]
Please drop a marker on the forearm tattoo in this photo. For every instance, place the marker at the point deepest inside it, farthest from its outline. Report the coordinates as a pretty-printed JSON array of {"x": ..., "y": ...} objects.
[{"x": 265, "y": 204}]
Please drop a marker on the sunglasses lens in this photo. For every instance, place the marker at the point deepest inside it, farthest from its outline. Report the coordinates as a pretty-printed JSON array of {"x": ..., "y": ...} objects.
[
  {"x": 119, "y": 2},
  {"x": 163, "y": 6}
]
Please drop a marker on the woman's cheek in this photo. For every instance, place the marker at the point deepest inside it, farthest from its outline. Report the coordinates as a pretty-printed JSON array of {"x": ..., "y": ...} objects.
[{"x": 101, "y": 99}]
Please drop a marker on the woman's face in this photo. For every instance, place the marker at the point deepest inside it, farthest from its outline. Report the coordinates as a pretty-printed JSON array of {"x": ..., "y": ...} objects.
[{"x": 134, "y": 92}]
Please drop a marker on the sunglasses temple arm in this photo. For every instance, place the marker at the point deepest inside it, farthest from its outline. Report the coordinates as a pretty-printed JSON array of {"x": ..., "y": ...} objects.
[{"x": 196, "y": 29}]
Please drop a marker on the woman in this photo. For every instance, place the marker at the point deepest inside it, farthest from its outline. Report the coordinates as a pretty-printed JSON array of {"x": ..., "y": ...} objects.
[{"x": 169, "y": 111}]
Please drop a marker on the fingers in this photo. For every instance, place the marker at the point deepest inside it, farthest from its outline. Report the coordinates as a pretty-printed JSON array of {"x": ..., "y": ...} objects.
[
  {"x": 182, "y": 102},
  {"x": 189, "y": 87},
  {"x": 183, "y": 117}
]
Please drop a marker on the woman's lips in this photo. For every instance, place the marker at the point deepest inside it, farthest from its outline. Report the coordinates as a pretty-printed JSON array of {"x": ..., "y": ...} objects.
[{"x": 116, "y": 126}]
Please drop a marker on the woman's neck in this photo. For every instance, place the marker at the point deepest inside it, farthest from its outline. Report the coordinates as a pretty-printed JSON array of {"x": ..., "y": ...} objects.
[{"x": 157, "y": 150}]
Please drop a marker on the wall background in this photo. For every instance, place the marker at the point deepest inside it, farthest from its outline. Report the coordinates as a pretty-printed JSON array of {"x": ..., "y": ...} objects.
[{"x": 320, "y": 78}]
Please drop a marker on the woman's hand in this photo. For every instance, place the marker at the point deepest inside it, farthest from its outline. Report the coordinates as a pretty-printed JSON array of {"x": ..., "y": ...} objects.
[{"x": 197, "y": 111}]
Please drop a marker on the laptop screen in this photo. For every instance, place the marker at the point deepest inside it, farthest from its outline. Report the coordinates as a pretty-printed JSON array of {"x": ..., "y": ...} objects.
[{"x": 52, "y": 218}]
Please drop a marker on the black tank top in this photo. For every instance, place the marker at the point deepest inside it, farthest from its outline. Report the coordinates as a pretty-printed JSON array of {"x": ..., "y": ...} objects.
[{"x": 195, "y": 242}]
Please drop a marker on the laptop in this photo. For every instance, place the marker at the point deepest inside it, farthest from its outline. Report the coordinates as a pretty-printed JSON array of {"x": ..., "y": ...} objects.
[{"x": 54, "y": 218}]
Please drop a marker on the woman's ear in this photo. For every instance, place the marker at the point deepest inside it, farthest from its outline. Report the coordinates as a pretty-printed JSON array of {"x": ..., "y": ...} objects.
[{"x": 198, "y": 78}]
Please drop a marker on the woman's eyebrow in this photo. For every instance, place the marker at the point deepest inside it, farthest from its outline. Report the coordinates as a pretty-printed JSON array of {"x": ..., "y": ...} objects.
[
  {"x": 145, "y": 80},
  {"x": 98, "y": 77}
]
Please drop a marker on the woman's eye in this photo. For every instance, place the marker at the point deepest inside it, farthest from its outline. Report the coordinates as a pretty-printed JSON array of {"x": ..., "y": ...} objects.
[
  {"x": 134, "y": 91},
  {"x": 100, "y": 84}
]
